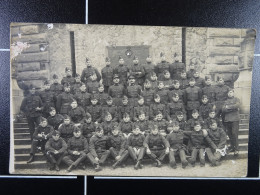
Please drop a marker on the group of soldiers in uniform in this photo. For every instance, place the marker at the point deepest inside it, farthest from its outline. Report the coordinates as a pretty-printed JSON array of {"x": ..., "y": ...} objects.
[{"x": 132, "y": 111}]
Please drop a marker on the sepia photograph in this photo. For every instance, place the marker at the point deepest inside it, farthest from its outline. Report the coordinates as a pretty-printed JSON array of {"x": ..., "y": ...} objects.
[{"x": 119, "y": 100}]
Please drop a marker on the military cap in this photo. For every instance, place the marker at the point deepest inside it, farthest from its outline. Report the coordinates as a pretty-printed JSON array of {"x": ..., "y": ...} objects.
[
  {"x": 54, "y": 76},
  {"x": 211, "y": 122},
  {"x": 76, "y": 129},
  {"x": 88, "y": 115},
  {"x": 126, "y": 115},
  {"x": 107, "y": 114},
  {"x": 174, "y": 124},
  {"x": 135, "y": 126},
  {"x": 191, "y": 80},
  {"x": 87, "y": 59},
  {"x": 51, "y": 109},
  {"x": 141, "y": 112},
  {"x": 73, "y": 100},
  {"x": 147, "y": 81},
  {"x": 107, "y": 59},
  {"x": 158, "y": 112},
  {"x": 41, "y": 119},
  {"x": 219, "y": 77},
  {"x": 156, "y": 96},
  {"x": 148, "y": 56},
  {"x": 100, "y": 85},
  {"x": 67, "y": 69},
  {"x": 166, "y": 71},
  {"x": 82, "y": 84},
  {"x": 47, "y": 82},
  {"x": 197, "y": 123},
  {"x": 135, "y": 58},
  {"x": 175, "y": 82},
  {"x": 161, "y": 54},
  {"x": 124, "y": 98},
  {"x": 119, "y": 58},
  {"x": 204, "y": 97},
  {"x": 159, "y": 82},
  {"x": 183, "y": 71},
  {"x": 153, "y": 73},
  {"x": 93, "y": 97},
  {"x": 195, "y": 111},
  {"x": 66, "y": 85},
  {"x": 115, "y": 76},
  {"x": 140, "y": 97},
  {"x": 109, "y": 98},
  {"x": 131, "y": 77},
  {"x": 55, "y": 132},
  {"x": 77, "y": 75},
  {"x": 175, "y": 95},
  {"x": 213, "y": 109},
  {"x": 207, "y": 77},
  {"x": 230, "y": 90},
  {"x": 98, "y": 128},
  {"x": 178, "y": 113},
  {"x": 66, "y": 116}
]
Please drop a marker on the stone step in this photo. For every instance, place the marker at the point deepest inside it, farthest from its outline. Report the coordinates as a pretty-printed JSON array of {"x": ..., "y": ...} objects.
[
  {"x": 22, "y": 149},
  {"x": 23, "y": 141},
  {"x": 244, "y": 116},
  {"x": 33, "y": 165},
  {"x": 243, "y": 147},
  {"x": 21, "y": 130},
  {"x": 243, "y": 132},
  {"x": 20, "y": 125},
  {"x": 25, "y": 157},
  {"x": 244, "y": 121},
  {"x": 22, "y": 136},
  {"x": 244, "y": 126}
]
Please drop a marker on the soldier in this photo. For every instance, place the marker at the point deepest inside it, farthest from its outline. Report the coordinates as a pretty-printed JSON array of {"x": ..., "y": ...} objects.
[
  {"x": 160, "y": 67},
  {"x": 173, "y": 107},
  {"x": 135, "y": 146},
  {"x": 212, "y": 116},
  {"x": 205, "y": 107},
  {"x": 209, "y": 90},
  {"x": 95, "y": 110},
  {"x": 55, "y": 149},
  {"x": 40, "y": 136},
  {"x": 117, "y": 147},
  {"x": 93, "y": 84},
  {"x": 98, "y": 148},
  {"x": 108, "y": 123},
  {"x": 157, "y": 147},
  {"x": 116, "y": 91},
  {"x": 154, "y": 82},
  {"x": 83, "y": 97},
  {"x": 199, "y": 82},
  {"x": 122, "y": 71},
  {"x": 125, "y": 108},
  {"x": 221, "y": 91},
  {"x": 107, "y": 75},
  {"x": 77, "y": 150},
  {"x": 167, "y": 81},
  {"x": 161, "y": 123},
  {"x": 176, "y": 68},
  {"x": 183, "y": 126},
  {"x": 231, "y": 120},
  {"x": 66, "y": 128},
  {"x": 176, "y": 89},
  {"x": 195, "y": 118},
  {"x": 133, "y": 91},
  {"x": 192, "y": 97},
  {"x": 64, "y": 100},
  {"x": 47, "y": 98},
  {"x": 217, "y": 139},
  {"x": 55, "y": 119},
  {"x": 56, "y": 88},
  {"x": 32, "y": 107},
  {"x": 191, "y": 71},
  {"x": 148, "y": 67},
  {"x": 126, "y": 125},
  {"x": 148, "y": 93},
  {"x": 142, "y": 123},
  {"x": 76, "y": 86},
  {"x": 163, "y": 93},
  {"x": 88, "y": 72},
  {"x": 101, "y": 95},
  {"x": 141, "y": 107},
  {"x": 112, "y": 109},
  {"x": 87, "y": 127},
  {"x": 175, "y": 139},
  {"x": 137, "y": 71},
  {"x": 77, "y": 113},
  {"x": 68, "y": 79},
  {"x": 184, "y": 82},
  {"x": 157, "y": 106}
]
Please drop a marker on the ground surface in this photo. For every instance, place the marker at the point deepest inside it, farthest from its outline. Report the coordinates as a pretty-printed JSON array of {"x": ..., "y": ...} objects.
[{"x": 228, "y": 168}]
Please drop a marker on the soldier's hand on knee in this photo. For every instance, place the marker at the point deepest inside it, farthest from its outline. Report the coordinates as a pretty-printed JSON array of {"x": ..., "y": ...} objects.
[
  {"x": 97, "y": 159},
  {"x": 56, "y": 152},
  {"x": 118, "y": 157},
  {"x": 148, "y": 151},
  {"x": 167, "y": 151}
]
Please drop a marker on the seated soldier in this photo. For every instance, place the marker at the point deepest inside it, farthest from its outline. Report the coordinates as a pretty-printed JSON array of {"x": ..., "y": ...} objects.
[
  {"x": 76, "y": 86},
  {"x": 47, "y": 97},
  {"x": 195, "y": 118},
  {"x": 157, "y": 147},
  {"x": 55, "y": 149},
  {"x": 95, "y": 110},
  {"x": 178, "y": 90},
  {"x": 77, "y": 150},
  {"x": 154, "y": 82},
  {"x": 163, "y": 93},
  {"x": 143, "y": 123},
  {"x": 200, "y": 82},
  {"x": 125, "y": 108},
  {"x": 82, "y": 97},
  {"x": 174, "y": 107},
  {"x": 148, "y": 93},
  {"x": 66, "y": 128},
  {"x": 108, "y": 123},
  {"x": 98, "y": 148},
  {"x": 126, "y": 125},
  {"x": 92, "y": 86},
  {"x": 177, "y": 147},
  {"x": 184, "y": 82},
  {"x": 55, "y": 120},
  {"x": 112, "y": 109},
  {"x": 76, "y": 113},
  {"x": 212, "y": 116},
  {"x": 135, "y": 146},
  {"x": 157, "y": 106},
  {"x": 182, "y": 125},
  {"x": 40, "y": 136},
  {"x": 101, "y": 95},
  {"x": 161, "y": 124},
  {"x": 141, "y": 107},
  {"x": 88, "y": 127},
  {"x": 167, "y": 81},
  {"x": 205, "y": 107},
  {"x": 68, "y": 78},
  {"x": 117, "y": 146}
]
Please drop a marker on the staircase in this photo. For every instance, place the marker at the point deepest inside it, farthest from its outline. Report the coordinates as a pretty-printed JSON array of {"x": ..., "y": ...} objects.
[{"x": 22, "y": 145}]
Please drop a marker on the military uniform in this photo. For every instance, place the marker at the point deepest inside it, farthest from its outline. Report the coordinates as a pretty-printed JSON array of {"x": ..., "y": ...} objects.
[
  {"x": 66, "y": 131},
  {"x": 180, "y": 93},
  {"x": 112, "y": 110},
  {"x": 75, "y": 88},
  {"x": 101, "y": 97},
  {"x": 107, "y": 76},
  {"x": 108, "y": 126},
  {"x": 125, "y": 109},
  {"x": 48, "y": 100},
  {"x": 144, "y": 126},
  {"x": 141, "y": 108},
  {"x": 92, "y": 87},
  {"x": 192, "y": 99},
  {"x": 177, "y": 147},
  {"x": 163, "y": 93},
  {"x": 162, "y": 126},
  {"x": 77, "y": 114},
  {"x": 191, "y": 123},
  {"x": 28, "y": 106},
  {"x": 184, "y": 83},
  {"x": 154, "y": 108},
  {"x": 139, "y": 73},
  {"x": 148, "y": 69},
  {"x": 68, "y": 79},
  {"x": 132, "y": 92},
  {"x": 135, "y": 147},
  {"x": 148, "y": 95},
  {"x": 190, "y": 73},
  {"x": 231, "y": 120},
  {"x": 88, "y": 130},
  {"x": 175, "y": 70},
  {"x": 174, "y": 107},
  {"x": 154, "y": 85},
  {"x": 208, "y": 120},
  {"x": 116, "y": 91},
  {"x": 221, "y": 96},
  {"x": 160, "y": 68},
  {"x": 83, "y": 99},
  {"x": 63, "y": 102},
  {"x": 87, "y": 73},
  {"x": 95, "y": 112},
  {"x": 200, "y": 82},
  {"x": 57, "y": 89},
  {"x": 210, "y": 92},
  {"x": 205, "y": 110},
  {"x": 55, "y": 120},
  {"x": 122, "y": 71},
  {"x": 79, "y": 144},
  {"x": 168, "y": 83},
  {"x": 126, "y": 128}
]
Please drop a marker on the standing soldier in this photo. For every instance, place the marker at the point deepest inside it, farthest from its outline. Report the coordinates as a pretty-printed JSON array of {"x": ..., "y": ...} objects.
[
  {"x": 138, "y": 71},
  {"x": 32, "y": 107},
  {"x": 55, "y": 119},
  {"x": 116, "y": 91},
  {"x": 209, "y": 90},
  {"x": 157, "y": 147},
  {"x": 148, "y": 67},
  {"x": 56, "y": 88},
  {"x": 163, "y": 93},
  {"x": 192, "y": 97},
  {"x": 148, "y": 93},
  {"x": 76, "y": 86},
  {"x": 95, "y": 110},
  {"x": 107, "y": 75},
  {"x": 83, "y": 97},
  {"x": 167, "y": 81},
  {"x": 184, "y": 82},
  {"x": 176, "y": 89},
  {"x": 122, "y": 71},
  {"x": 108, "y": 123},
  {"x": 93, "y": 85},
  {"x": 101, "y": 95},
  {"x": 133, "y": 91},
  {"x": 68, "y": 79},
  {"x": 64, "y": 100},
  {"x": 160, "y": 67},
  {"x": 231, "y": 120},
  {"x": 154, "y": 82},
  {"x": 48, "y": 99},
  {"x": 66, "y": 128},
  {"x": 191, "y": 71},
  {"x": 126, "y": 125},
  {"x": 199, "y": 82},
  {"x": 173, "y": 107},
  {"x": 125, "y": 108},
  {"x": 176, "y": 68},
  {"x": 205, "y": 107},
  {"x": 88, "y": 72}
]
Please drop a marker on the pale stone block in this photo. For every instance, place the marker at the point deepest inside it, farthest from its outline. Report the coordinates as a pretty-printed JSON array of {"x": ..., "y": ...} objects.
[
  {"x": 224, "y": 59},
  {"x": 33, "y": 75},
  {"x": 224, "y": 32},
  {"x": 223, "y": 41},
  {"x": 32, "y": 57},
  {"x": 21, "y": 67},
  {"x": 224, "y": 51},
  {"x": 31, "y": 29},
  {"x": 237, "y": 41},
  {"x": 34, "y": 38},
  {"x": 35, "y": 48}
]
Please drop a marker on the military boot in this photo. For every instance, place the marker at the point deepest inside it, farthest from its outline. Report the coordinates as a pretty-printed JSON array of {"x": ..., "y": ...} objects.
[{"x": 31, "y": 159}]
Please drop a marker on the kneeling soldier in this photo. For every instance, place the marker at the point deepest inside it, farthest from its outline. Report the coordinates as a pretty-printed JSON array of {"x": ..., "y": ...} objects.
[
  {"x": 98, "y": 148},
  {"x": 157, "y": 147},
  {"x": 77, "y": 150},
  {"x": 135, "y": 146},
  {"x": 55, "y": 150},
  {"x": 117, "y": 144}
]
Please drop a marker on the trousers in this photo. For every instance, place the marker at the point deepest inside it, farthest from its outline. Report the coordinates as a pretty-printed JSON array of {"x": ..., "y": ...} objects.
[
  {"x": 232, "y": 132},
  {"x": 101, "y": 155},
  {"x": 71, "y": 159},
  {"x": 136, "y": 154},
  {"x": 181, "y": 153}
]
